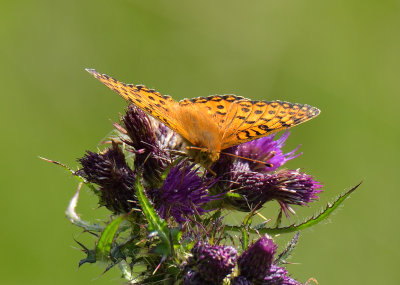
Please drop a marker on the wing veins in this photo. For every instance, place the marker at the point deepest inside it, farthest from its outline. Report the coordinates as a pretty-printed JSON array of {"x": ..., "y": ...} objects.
[
  {"x": 130, "y": 92},
  {"x": 243, "y": 121},
  {"x": 230, "y": 123}
]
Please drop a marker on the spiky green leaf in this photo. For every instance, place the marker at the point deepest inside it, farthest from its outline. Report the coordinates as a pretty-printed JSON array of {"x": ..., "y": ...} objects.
[
  {"x": 284, "y": 255},
  {"x": 308, "y": 223},
  {"x": 104, "y": 245},
  {"x": 74, "y": 218},
  {"x": 156, "y": 224}
]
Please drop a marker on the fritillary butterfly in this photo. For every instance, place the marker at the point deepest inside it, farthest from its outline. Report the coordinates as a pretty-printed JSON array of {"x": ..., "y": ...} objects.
[{"x": 211, "y": 124}]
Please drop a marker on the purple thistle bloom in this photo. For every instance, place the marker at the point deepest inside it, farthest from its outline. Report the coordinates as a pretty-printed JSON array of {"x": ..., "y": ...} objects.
[
  {"x": 140, "y": 131},
  {"x": 258, "y": 183},
  {"x": 182, "y": 193},
  {"x": 110, "y": 171},
  {"x": 150, "y": 140},
  {"x": 256, "y": 265},
  {"x": 285, "y": 186},
  {"x": 212, "y": 263},
  {"x": 265, "y": 149},
  {"x": 278, "y": 276},
  {"x": 294, "y": 187},
  {"x": 268, "y": 150},
  {"x": 143, "y": 140},
  {"x": 255, "y": 262}
]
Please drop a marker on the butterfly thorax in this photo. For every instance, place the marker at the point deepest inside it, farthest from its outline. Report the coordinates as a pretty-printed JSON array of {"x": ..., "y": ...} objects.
[
  {"x": 204, "y": 134},
  {"x": 205, "y": 157}
]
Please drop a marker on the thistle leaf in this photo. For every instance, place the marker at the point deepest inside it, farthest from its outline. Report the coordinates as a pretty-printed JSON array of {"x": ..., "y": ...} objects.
[
  {"x": 156, "y": 224},
  {"x": 281, "y": 259},
  {"x": 297, "y": 227},
  {"x": 74, "y": 173},
  {"x": 74, "y": 218},
  {"x": 245, "y": 239},
  {"x": 104, "y": 245}
]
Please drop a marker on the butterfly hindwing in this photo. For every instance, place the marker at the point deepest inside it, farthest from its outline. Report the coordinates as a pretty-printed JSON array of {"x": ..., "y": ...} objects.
[
  {"x": 263, "y": 118},
  {"x": 241, "y": 120}
]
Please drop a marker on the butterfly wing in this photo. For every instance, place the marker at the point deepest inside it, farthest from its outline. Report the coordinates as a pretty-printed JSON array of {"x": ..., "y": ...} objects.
[
  {"x": 218, "y": 107},
  {"x": 241, "y": 120},
  {"x": 150, "y": 101},
  {"x": 238, "y": 119},
  {"x": 256, "y": 119}
]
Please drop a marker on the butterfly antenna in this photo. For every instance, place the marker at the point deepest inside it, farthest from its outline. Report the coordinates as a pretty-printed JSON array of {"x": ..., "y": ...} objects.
[
  {"x": 234, "y": 155},
  {"x": 249, "y": 159},
  {"x": 177, "y": 152}
]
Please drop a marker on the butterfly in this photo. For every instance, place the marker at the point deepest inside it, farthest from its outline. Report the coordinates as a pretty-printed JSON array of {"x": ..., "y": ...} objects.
[{"x": 212, "y": 124}]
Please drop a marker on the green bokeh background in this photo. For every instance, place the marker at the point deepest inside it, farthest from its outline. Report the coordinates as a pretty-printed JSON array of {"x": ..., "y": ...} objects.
[{"x": 341, "y": 56}]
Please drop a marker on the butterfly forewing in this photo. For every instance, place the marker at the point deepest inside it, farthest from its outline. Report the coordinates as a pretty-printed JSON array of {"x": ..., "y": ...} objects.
[
  {"x": 247, "y": 115},
  {"x": 150, "y": 101}
]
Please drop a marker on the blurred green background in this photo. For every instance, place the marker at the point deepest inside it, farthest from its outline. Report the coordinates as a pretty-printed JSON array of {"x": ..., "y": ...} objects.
[{"x": 341, "y": 56}]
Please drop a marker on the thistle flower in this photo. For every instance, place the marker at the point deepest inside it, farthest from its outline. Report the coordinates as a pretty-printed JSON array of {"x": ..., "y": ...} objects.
[
  {"x": 259, "y": 183},
  {"x": 182, "y": 193},
  {"x": 110, "y": 171},
  {"x": 143, "y": 141},
  {"x": 212, "y": 263},
  {"x": 256, "y": 265},
  {"x": 293, "y": 187},
  {"x": 255, "y": 262},
  {"x": 150, "y": 141},
  {"x": 268, "y": 150},
  {"x": 278, "y": 276},
  {"x": 285, "y": 186}
]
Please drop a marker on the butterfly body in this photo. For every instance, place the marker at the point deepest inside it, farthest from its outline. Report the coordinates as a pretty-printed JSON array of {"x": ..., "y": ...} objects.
[
  {"x": 204, "y": 145},
  {"x": 212, "y": 124}
]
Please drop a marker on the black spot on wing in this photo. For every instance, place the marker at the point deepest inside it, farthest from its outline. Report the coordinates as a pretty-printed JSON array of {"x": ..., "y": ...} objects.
[
  {"x": 215, "y": 99},
  {"x": 264, "y": 128}
]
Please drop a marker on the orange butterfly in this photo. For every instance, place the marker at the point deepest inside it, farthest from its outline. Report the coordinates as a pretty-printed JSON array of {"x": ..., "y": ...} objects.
[{"x": 211, "y": 124}]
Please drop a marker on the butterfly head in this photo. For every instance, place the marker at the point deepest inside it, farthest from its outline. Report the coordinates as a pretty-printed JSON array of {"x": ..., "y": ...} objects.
[{"x": 203, "y": 156}]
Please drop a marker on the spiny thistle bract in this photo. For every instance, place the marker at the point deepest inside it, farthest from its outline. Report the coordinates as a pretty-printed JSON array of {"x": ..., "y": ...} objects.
[{"x": 167, "y": 222}]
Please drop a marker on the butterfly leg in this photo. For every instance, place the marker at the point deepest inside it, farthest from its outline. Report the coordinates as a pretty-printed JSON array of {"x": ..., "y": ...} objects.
[{"x": 211, "y": 171}]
